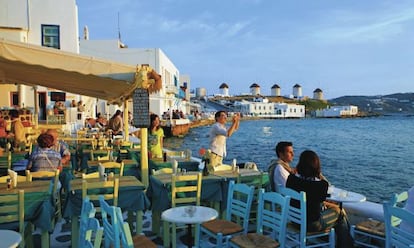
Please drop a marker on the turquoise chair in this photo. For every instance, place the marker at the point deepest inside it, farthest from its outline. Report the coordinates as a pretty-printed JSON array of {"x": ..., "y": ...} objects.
[
  {"x": 394, "y": 235},
  {"x": 89, "y": 227},
  {"x": 271, "y": 220},
  {"x": 239, "y": 202},
  {"x": 298, "y": 236},
  {"x": 371, "y": 233},
  {"x": 112, "y": 231},
  {"x": 127, "y": 241}
]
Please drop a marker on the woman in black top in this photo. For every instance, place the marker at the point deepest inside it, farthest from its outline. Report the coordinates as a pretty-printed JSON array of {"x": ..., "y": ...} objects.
[{"x": 321, "y": 215}]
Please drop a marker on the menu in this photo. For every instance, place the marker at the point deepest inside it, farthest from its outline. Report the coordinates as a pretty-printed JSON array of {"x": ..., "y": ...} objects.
[{"x": 141, "y": 108}]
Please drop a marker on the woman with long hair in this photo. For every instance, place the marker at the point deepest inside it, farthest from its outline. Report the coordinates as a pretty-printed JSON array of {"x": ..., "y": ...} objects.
[{"x": 155, "y": 136}]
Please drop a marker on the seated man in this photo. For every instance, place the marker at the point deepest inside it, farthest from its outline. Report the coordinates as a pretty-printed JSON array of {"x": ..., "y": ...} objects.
[{"x": 44, "y": 158}]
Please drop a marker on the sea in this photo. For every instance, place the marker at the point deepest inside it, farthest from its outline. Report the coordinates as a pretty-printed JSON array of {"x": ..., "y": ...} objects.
[{"x": 373, "y": 156}]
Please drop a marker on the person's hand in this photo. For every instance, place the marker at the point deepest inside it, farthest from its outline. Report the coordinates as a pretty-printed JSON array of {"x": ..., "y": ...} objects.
[{"x": 236, "y": 117}]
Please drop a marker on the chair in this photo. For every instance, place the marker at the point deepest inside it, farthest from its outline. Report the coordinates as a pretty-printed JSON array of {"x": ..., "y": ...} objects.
[
  {"x": 255, "y": 179},
  {"x": 396, "y": 236},
  {"x": 185, "y": 190},
  {"x": 12, "y": 211},
  {"x": 297, "y": 232},
  {"x": 271, "y": 219},
  {"x": 98, "y": 155},
  {"x": 5, "y": 162},
  {"x": 129, "y": 241},
  {"x": 117, "y": 232},
  {"x": 89, "y": 226},
  {"x": 239, "y": 201},
  {"x": 114, "y": 166},
  {"x": 371, "y": 233},
  {"x": 94, "y": 188},
  {"x": 54, "y": 175}
]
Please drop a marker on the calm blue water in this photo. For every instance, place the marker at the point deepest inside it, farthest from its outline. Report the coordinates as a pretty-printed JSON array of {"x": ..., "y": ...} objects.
[{"x": 373, "y": 156}]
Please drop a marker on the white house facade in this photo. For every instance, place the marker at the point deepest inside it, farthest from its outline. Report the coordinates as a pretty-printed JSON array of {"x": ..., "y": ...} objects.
[
  {"x": 161, "y": 101},
  {"x": 337, "y": 111},
  {"x": 263, "y": 108}
]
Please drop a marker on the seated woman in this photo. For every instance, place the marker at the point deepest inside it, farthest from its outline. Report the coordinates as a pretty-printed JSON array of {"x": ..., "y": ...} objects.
[
  {"x": 321, "y": 215},
  {"x": 44, "y": 158}
]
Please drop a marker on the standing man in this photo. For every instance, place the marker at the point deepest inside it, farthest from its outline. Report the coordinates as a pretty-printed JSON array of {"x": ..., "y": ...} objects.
[
  {"x": 218, "y": 136},
  {"x": 279, "y": 169}
]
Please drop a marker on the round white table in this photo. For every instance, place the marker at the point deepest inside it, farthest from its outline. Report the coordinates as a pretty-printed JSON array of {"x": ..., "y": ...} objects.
[
  {"x": 341, "y": 195},
  {"x": 10, "y": 238},
  {"x": 180, "y": 216}
]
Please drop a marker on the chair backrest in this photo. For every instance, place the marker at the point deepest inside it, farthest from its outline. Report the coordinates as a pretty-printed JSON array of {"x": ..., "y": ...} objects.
[
  {"x": 396, "y": 236},
  {"x": 101, "y": 157},
  {"x": 398, "y": 200},
  {"x": 5, "y": 162},
  {"x": 125, "y": 231},
  {"x": 239, "y": 202},
  {"x": 112, "y": 231},
  {"x": 41, "y": 175},
  {"x": 95, "y": 187},
  {"x": 89, "y": 226},
  {"x": 297, "y": 213},
  {"x": 185, "y": 189},
  {"x": 114, "y": 166},
  {"x": 12, "y": 209},
  {"x": 272, "y": 215}
]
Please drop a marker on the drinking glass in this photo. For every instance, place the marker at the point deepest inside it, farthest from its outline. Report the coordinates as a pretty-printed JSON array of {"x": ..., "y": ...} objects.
[{"x": 190, "y": 210}]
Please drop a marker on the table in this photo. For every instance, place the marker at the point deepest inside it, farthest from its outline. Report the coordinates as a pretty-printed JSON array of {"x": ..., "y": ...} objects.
[
  {"x": 341, "y": 196},
  {"x": 38, "y": 206},
  {"x": 131, "y": 198},
  {"x": 213, "y": 190},
  {"x": 10, "y": 238},
  {"x": 180, "y": 216}
]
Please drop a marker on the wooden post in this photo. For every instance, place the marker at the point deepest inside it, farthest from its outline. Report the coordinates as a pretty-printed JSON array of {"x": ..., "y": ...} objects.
[
  {"x": 144, "y": 156},
  {"x": 126, "y": 124}
]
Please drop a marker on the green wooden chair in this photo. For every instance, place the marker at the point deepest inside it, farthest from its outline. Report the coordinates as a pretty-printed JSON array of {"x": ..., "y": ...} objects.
[{"x": 12, "y": 211}]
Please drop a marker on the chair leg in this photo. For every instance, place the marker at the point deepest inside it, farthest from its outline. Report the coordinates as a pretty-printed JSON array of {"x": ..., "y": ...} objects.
[
  {"x": 166, "y": 233},
  {"x": 174, "y": 235},
  {"x": 219, "y": 240},
  {"x": 197, "y": 235}
]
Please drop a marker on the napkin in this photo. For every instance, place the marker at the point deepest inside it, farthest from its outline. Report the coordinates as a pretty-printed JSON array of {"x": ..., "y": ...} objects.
[
  {"x": 13, "y": 177},
  {"x": 101, "y": 170},
  {"x": 174, "y": 166}
]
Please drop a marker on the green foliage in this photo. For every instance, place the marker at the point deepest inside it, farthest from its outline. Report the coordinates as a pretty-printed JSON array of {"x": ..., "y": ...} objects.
[{"x": 312, "y": 104}]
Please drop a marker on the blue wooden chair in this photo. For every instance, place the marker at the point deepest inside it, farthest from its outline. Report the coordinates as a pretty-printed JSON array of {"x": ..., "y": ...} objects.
[
  {"x": 89, "y": 226},
  {"x": 371, "y": 233},
  {"x": 297, "y": 233},
  {"x": 239, "y": 202},
  {"x": 127, "y": 241},
  {"x": 112, "y": 231},
  {"x": 396, "y": 236},
  {"x": 271, "y": 223}
]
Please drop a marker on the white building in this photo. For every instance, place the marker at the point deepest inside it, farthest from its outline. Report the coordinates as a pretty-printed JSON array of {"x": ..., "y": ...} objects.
[
  {"x": 49, "y": 23},
  {"x": 337, "y": 111},
  {"x": 224, "y": 89},
  {"x": 171, "y": 96},
  {"x": 261, "y": 107},
  {"x": 297, "y": 91},
  {"x": 289, "y": 110},
  {"x": 255, "y": 89},
  {"x": 275, "y": 90},
  {"x": 201, "y": 92},
  {"x": 318, "y": 94}
]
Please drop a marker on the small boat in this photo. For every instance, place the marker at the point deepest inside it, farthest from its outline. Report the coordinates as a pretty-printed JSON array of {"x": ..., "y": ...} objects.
[{"x": 176, "y": 127}]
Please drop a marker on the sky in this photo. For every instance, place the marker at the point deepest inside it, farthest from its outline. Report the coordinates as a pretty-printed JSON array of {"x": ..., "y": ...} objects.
[{"x": 344, "y": 48}]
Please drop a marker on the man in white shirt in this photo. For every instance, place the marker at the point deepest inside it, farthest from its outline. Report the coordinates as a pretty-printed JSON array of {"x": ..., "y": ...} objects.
[
  {"x": 279, "y": 169},
  {"x": 218, "y": 136}
]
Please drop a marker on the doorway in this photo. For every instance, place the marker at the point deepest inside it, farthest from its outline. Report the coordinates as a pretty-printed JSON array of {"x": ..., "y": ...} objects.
[{"x": 42, "y": 105}]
